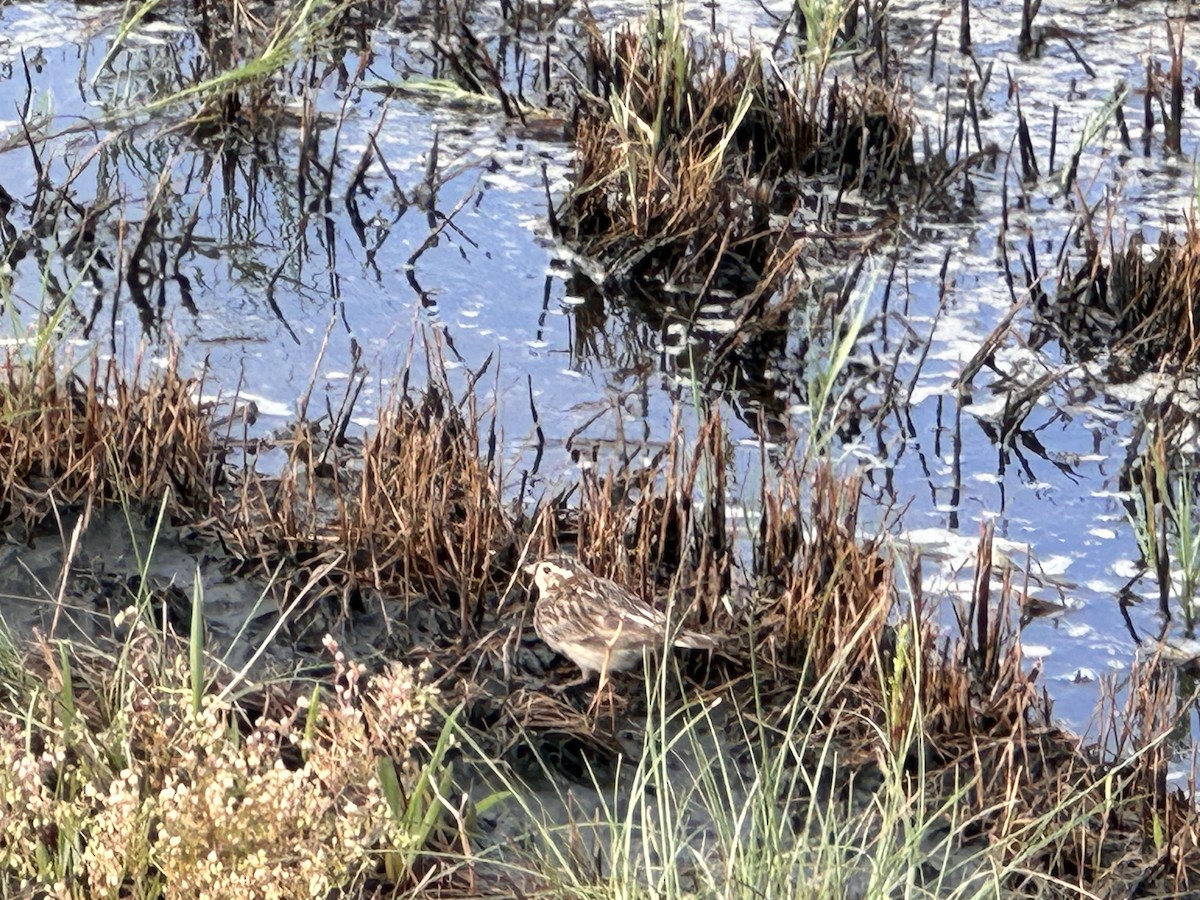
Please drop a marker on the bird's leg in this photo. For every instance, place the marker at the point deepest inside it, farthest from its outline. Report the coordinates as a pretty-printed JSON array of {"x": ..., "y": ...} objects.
[
  {"x": 595, "y": 706},
  {"x": 600, "y": 686}
]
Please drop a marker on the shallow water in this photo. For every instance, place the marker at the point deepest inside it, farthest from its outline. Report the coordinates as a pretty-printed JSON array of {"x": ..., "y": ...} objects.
[{"x": 272, "y": 293}]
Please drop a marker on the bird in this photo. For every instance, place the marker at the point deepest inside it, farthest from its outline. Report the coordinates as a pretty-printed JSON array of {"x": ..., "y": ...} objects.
[{"x": 597, "y": 624}]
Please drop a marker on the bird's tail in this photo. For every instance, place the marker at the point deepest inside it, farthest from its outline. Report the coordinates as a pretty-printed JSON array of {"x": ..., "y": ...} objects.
[{"x": 693, "y": 640}]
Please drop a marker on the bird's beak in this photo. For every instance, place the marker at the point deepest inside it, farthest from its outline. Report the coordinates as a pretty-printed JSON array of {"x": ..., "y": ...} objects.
[{"x": 530, "y": 569}]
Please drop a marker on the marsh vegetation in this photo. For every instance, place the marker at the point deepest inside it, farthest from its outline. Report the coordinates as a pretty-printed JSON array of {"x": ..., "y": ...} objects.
[{"x": 375, "y": 716}]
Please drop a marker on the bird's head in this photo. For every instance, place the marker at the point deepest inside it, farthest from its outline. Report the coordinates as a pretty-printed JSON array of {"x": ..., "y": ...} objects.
[{"x": 552, "y": 570}]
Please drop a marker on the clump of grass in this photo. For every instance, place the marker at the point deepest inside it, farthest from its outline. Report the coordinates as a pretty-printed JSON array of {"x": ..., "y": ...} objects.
[
  {"x": 79, "y": 440},
  {"x": 691, "y": 159},
  {"x": 967, "y": 719},
  {"x": 827, "y": 594},
  {"x": 411, "y": 511},
  {"x": 119, "y": 780},
  {"x": 662, "y": 525},
  {"x": 1134, "y": 303},
  {"x": 1158, "y": 480}
]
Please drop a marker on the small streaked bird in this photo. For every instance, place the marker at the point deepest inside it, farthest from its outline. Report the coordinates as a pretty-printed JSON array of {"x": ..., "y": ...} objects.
[{"x": 596, "y": 623}]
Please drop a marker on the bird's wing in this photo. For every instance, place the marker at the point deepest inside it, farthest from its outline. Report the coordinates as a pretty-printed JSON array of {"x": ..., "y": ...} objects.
[{"x": 629, "y": 620}]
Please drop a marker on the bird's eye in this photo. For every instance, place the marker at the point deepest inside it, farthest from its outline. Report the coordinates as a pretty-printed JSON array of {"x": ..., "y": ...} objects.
[{"x": 545, "y": 570}]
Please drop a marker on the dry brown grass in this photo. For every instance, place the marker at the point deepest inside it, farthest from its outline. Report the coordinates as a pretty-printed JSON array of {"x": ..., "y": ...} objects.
[
  {"x": 829, "y": 591},
  {"x": 69, "y": 439},
  {"x": 1093, "y": 819},
  {"x": 663, "y": 527},
  {"x": 412, "y": 511},
  {"x": 1134, "y": 301},
  {"x": 692, "y": 158}
]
